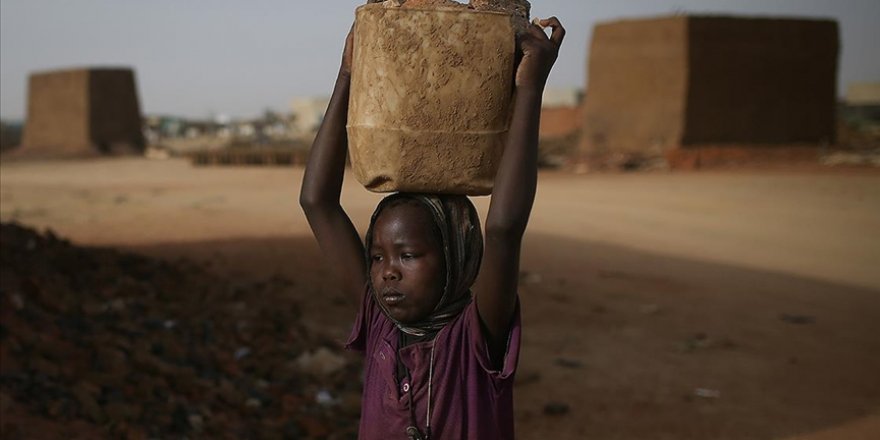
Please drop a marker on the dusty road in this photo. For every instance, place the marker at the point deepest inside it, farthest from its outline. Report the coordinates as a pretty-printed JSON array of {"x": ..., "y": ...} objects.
[{"x": 694, "y": 305}]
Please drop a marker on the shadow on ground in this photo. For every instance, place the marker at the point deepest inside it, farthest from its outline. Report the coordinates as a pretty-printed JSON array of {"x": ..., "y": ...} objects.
[{"x": 623, "y": 344}]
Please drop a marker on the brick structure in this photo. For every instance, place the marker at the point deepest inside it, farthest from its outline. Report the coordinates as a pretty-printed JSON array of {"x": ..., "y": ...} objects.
[
  {"x": 82, "y": 112},
  {"x": 557, "y": 122},
  {"x": 676, "y": 85}
]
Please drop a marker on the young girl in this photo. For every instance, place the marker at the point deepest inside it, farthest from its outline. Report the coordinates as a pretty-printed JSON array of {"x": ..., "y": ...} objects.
[{"x": 439, "y": 357}]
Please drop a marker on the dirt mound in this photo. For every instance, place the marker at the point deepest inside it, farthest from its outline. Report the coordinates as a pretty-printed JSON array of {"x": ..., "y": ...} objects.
[{"x": 96, "y": 343}]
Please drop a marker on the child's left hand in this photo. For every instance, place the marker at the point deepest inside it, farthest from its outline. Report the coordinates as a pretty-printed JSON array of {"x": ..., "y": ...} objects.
[{"x": 538, "y": 53}]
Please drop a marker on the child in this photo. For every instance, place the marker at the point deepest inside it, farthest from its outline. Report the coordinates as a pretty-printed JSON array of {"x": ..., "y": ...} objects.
[{"x": 439, "y": 360}]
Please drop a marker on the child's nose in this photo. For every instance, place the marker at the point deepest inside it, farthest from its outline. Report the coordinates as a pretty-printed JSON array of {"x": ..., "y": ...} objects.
[{"x": 390, "y": 273}]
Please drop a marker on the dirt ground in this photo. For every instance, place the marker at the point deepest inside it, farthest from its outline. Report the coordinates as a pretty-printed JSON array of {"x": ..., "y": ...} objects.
[{"x": 703, "y": 305}]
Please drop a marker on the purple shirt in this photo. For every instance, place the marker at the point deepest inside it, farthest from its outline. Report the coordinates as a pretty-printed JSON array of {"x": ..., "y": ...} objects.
[{"x": 469, "y": 399}]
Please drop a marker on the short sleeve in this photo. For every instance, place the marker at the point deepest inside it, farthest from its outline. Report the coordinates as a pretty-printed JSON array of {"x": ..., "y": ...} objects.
[
  {"x": 357, "y": 340},
  {"x": 481, "y": 348}
]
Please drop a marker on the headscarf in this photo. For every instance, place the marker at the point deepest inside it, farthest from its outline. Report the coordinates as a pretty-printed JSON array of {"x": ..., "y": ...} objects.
[{"x": 462, "y": 241}]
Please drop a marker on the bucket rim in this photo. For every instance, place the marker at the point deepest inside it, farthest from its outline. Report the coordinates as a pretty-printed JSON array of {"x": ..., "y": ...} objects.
[{"x": 465, "y": 9}]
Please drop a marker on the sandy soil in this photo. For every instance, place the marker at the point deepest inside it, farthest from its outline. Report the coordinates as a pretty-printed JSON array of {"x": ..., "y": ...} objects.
[{"x": 692, "y": 305}]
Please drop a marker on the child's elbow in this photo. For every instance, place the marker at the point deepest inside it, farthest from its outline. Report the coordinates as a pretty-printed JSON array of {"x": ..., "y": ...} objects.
[
  {"x": 505, "y": 230},
  {"x": 308, "y": 201},
  {"x": 316, "y": 201}
]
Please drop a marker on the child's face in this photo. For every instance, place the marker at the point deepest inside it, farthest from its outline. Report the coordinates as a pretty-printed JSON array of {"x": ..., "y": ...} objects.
[{"x": 407, "y": 263}]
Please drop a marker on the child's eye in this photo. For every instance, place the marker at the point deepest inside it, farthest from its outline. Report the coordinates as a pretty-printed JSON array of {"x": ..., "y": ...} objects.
[
  {"x": 377, "y": 258},
  {"x": 407, "y": 256}
]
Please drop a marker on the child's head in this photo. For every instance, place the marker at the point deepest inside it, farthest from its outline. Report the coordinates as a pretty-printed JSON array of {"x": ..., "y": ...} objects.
[{"x": 423, "y": 254}]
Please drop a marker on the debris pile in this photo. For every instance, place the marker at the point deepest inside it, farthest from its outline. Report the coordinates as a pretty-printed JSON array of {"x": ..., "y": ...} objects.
[{"x": 96, "y": 343}]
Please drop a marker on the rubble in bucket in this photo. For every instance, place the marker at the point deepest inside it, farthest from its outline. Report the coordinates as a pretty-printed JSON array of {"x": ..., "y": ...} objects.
[
  {"x": 430, "y": 94},
  {"x": 518, "y": 9}
]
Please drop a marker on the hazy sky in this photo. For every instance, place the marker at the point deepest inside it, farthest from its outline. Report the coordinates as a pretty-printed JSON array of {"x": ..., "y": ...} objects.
[{"x": 198, "y": 57}]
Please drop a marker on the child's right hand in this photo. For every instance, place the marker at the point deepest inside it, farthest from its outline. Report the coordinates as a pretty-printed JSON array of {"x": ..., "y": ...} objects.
[{"x": 539, "y": 52}]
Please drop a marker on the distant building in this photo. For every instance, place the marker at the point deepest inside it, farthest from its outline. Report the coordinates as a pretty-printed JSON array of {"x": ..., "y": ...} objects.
[
  {"x": 557, "y": 122},
  {"x": 677, "y": 85},
  {"x": 863, "y": 93},
  {"x": 560, "y": 112},
  {"x": 860, "y": 114},
  {"x": 562, "y": 97},
  {"x": 83, "y": 112},
  {"x": 160, "y": 126},
  {"x": 308, "y": 113}
]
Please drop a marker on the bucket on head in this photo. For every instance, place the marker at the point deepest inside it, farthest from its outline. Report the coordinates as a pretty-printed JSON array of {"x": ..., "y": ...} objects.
[{"x": 430, "y": 98}]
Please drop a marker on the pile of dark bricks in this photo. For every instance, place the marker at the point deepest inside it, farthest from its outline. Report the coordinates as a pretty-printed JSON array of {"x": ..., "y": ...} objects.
[{"x": 97, "y": 343}]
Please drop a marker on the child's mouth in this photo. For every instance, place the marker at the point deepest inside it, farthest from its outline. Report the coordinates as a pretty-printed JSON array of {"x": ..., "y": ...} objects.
[{"x": 392, "y": 298}]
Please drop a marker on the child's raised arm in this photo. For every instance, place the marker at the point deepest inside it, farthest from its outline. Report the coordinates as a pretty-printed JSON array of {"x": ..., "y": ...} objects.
[
  {"x": 322, "y": 186},
  {"x": 514, "y": 189}
]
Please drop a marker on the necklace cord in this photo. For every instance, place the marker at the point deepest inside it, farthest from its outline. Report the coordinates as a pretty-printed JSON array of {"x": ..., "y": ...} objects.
[
  {"x": 430, "y": 384},
  {"x": 412, "y": 408}
]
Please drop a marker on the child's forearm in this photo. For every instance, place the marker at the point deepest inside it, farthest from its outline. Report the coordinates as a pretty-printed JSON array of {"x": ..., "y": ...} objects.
[
  {"x": 322, "y": 183},
  {"x": 515, "y": 182},
  {"x": 517, "y": 175}
]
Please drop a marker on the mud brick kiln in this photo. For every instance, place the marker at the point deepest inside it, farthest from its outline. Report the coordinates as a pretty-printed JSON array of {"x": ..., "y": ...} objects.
[
  {"x": 81, "y": 112},
  {"x": 708, "y": 88}
]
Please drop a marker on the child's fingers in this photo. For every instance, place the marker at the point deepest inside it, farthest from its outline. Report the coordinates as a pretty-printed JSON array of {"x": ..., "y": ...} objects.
[
  {"x": 536, "y": 31},
  {"x": 550, "y": 21},
  {"x": 558, "y": 33}
]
